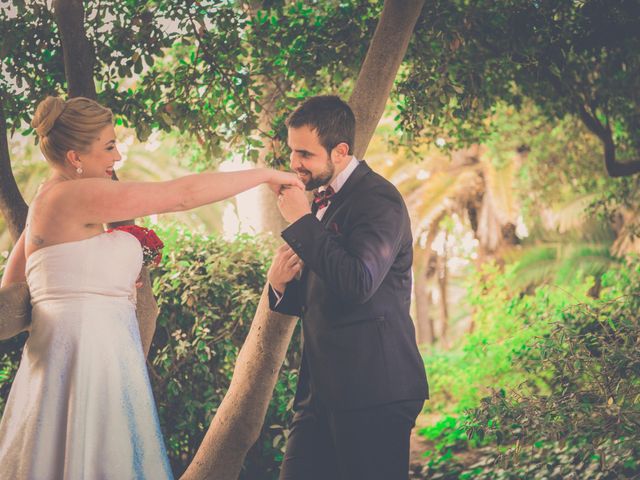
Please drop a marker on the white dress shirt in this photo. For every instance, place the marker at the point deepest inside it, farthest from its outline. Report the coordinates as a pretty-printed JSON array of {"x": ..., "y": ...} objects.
[{"x": 338, "y": 182}]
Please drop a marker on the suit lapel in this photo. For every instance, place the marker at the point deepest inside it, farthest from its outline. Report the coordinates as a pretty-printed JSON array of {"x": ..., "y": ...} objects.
[
  {"x": 337, "y": 201},
  {"x": 358, "y": 174}
]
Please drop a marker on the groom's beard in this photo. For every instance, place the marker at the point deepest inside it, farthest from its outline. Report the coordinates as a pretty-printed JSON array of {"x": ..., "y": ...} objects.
[{"x": 319, "y": 179}]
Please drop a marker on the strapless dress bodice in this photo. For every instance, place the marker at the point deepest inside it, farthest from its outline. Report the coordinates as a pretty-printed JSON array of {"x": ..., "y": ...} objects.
[{"x": 106, "y": 265}]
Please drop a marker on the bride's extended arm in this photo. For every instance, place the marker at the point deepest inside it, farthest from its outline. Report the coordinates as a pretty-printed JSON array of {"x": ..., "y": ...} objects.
[{"x": 106, "y": 201}]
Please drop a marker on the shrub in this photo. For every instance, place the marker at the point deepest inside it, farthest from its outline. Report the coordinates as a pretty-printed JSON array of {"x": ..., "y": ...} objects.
[
  {"x": 576, "y": 412},
  {"x": 611, "y": 460},
  {"x": 590, "y": 361},
  {"x": 208, "y": 290},
  {"x": 506, "y": 322}
]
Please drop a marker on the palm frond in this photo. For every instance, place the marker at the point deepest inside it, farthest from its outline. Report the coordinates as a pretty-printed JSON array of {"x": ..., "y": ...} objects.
[
  {"x": 583, "y": 260},
  {"x": 572, "y": 215}
]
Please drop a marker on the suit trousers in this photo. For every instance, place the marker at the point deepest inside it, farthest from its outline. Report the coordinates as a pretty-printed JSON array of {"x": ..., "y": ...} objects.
[{"x": 364, "y": 444}]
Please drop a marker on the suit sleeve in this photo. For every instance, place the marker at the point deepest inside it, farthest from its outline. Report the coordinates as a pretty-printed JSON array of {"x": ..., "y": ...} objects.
[
  {"x": 354, "y": 267},
  {"x": 290, "y": 302}
]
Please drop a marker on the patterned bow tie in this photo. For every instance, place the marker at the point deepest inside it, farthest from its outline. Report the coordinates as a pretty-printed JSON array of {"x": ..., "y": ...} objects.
[{"x": 321, "y": 198}]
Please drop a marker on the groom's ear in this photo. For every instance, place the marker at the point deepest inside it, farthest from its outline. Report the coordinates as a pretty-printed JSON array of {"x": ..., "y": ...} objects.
[{"x": 340, "y": 152}]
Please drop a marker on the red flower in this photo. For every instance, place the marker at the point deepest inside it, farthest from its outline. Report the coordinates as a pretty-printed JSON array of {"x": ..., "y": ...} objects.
[{"x": 150, "y": 242}]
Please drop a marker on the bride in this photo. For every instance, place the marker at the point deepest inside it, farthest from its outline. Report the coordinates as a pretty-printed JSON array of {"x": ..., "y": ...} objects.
[{"x": 81, "y": 404}]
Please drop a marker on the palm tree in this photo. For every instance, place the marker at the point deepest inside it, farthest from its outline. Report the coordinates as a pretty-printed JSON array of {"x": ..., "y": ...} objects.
[
  {"x": 467, "y": 185},
  {"x": 566, "y": 245}
]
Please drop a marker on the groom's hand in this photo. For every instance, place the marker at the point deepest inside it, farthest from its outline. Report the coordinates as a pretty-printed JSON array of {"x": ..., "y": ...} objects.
[
  {"x": 293, "y": 204},
  {"x": 285, "y": 266}
]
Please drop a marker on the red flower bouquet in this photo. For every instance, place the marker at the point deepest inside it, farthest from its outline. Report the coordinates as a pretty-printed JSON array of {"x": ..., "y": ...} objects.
[{"x": 150, "y": 242}]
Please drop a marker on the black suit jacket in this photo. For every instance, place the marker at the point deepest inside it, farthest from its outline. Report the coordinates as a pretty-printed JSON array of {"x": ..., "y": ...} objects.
[{"x": 353, "y": 298}]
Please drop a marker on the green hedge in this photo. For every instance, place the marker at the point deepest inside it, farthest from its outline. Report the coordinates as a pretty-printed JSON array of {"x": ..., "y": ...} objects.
[
  {"x": 207, "y": 290},
  {"x": 575, "y": 412},
  {"x": 506, "y": 322}
]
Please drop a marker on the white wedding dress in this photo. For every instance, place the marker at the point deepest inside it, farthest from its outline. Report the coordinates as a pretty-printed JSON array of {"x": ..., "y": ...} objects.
[{"x": 81, "y": 405}]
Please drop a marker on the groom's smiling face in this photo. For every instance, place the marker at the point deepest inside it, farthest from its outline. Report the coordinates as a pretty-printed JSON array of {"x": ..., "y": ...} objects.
[{"x": 309, "y": 159}]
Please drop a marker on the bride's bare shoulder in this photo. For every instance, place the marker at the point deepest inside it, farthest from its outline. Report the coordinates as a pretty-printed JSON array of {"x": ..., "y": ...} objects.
[
  {"x": 68, "y": 191},
  {"x": 48, "y": 206}
]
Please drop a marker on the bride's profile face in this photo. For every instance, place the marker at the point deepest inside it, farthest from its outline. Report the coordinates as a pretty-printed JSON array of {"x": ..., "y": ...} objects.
[{"x": 99, "y": 160}]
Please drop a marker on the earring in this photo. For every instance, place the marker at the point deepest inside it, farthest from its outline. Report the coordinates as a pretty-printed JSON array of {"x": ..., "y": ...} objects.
[{"x": 79, "y": 170}]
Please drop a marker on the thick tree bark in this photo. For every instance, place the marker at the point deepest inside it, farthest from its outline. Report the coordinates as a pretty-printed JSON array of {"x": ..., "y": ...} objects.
[
  {"x": 12, "y": 204},
  {"x": 270, "y": 217},
  {"x": 146, "y": 311},
  {"x": 271, "y": 220},
  {"x": 236, "y": 426},
  {"x": 238, "y": 421},
  {"x": 380, "y": 66},
  {"x": 78, "y": 53}
]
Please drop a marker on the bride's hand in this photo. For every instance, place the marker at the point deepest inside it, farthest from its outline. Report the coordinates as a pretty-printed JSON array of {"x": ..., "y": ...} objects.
[{"x": 278, "y": 179}]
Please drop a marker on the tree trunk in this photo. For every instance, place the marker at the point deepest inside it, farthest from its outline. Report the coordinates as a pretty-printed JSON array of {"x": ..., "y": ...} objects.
[
  {"x": 270, "y": 220},
  {"x": 12, "y": 204},
  {"x": 380, "y": 66},
  {"x": 270, "y": 217},
  {"x": 78, "y": 66},
  {"x": 425, "y": 333},
  {"x": 238, "y": 421},
  {"x": 425, "y": 271},
  {"x": 77, "y": 51},
  {"x": 442, "y": 288},
  {"x": 146, "y": 311}
]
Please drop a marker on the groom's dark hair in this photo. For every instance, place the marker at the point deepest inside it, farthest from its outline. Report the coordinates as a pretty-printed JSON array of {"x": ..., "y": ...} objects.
[{"x": 331, "y": 118}]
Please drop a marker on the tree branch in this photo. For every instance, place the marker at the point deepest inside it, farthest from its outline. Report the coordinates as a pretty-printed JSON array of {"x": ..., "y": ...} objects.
[
  {"x": 386, "y": 51},
  {"x": 614, "y": 168},
  {"x": 15, "y": 310},
  {"x": 78, "y": 53},
  {"x": 12, "y": 205},
  {"x": 603, "y": 132}
]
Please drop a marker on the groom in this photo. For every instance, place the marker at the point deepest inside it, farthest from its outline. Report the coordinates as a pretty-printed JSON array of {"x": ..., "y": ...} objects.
[{"x": 362, "y": 381}]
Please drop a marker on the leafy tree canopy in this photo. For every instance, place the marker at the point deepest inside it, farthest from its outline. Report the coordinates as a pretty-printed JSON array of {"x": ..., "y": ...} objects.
[
  {"x": 207, "y": 68},
  {"x": 569, "y": 57}
]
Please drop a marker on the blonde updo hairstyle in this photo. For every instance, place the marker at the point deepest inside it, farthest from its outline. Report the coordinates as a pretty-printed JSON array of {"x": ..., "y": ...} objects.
[{"x": 68, "y": 125}]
